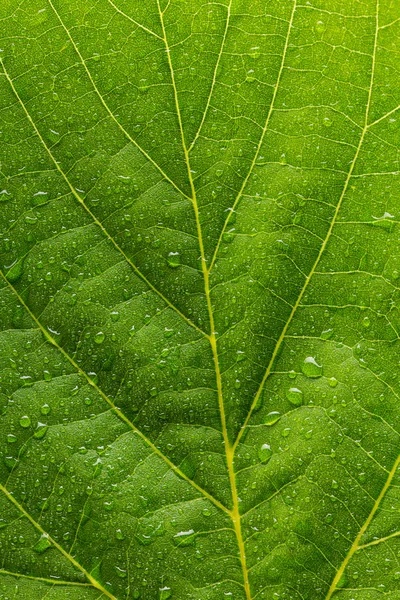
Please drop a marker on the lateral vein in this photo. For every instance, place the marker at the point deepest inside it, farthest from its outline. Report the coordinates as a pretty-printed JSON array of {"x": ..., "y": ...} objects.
[
  {"x": 356, "y": 544},
  {"x": 264, "y": 130},
  {"x": 76, "y": 564},
  {"x": 115, "y": 409},
  {"x": 113, "y": 117},
  {"x": 87, "y": 209},
  {"x": 322, "y": 249}
]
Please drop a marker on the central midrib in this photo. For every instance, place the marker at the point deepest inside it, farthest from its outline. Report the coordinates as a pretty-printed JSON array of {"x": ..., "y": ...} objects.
[{"x": 229, "y": 450}]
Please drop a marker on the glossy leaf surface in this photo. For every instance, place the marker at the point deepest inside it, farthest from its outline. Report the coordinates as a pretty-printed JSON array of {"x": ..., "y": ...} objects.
[{"x": 199, "y": 298}]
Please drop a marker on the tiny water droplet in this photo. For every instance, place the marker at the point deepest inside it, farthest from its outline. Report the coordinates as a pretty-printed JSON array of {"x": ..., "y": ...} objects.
[
  {"x": 332, "y": 381},
  {"x": 43, "y": 544},
  {"x": 174, "y": 259},
  {"x": 25, "y": 421},
  {"x": 99, "y": 337},
  {"x": 265, "y": 453},
  {"x": 295, "y": 396}
]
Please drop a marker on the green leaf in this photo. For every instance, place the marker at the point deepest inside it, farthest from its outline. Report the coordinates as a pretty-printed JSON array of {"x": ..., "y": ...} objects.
[{"x": 199, "y": 298}]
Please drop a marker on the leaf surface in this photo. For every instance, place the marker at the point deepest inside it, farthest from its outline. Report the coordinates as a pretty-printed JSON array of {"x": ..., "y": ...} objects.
[{"x": 199, "y": 300}]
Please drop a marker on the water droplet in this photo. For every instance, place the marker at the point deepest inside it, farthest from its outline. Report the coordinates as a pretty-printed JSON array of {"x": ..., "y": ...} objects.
[
  {"x": 255, "y": 52},
  {"x": 295, "y": 396},
  {"x": 366, "y": 322},
  {"x": 99, "y": 337},
  {"x": 119, "y": 535},
  {"x": 174, "y": 259},
  {"x": 114, "y": 315},
  {"x": 320, "y": 27},
  {"x": 165, "y": 593},
  {"x": 120, "y": 572},
  {"x": 327, "y": 122},
  {"x": 265, "y": 452},
  {"x": 25, "y": 421},
  {"x": 272, "y": 418},
  {"x": 41, "y": 431},
  {"x": 206, "y": 512},
  {"x": 47, "y": 376},
  {"x": 184, "y": 538},
  {"x": 292, "y": 374},
  {"x": 15, "y": 272},
  {"x": 327, "y": 334},
  {"x": 332, "y": 381},
  {"x": 43, "y": 544},
  {"x": 311, "y": 368},
  {"x": 11, "y": 438},
  {"x": 286, "y": 432},
  {"x": 45, "y": 409}
]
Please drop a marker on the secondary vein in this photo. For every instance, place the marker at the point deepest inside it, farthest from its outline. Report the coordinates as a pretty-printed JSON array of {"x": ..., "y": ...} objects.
[
  {"x": 76, "y": 564},
  {"x": 115, "y": 409},
  {"x": 323, "y": 246},
  {"x": 87, "y": 209},
  {"x": 264, "y": 130}
]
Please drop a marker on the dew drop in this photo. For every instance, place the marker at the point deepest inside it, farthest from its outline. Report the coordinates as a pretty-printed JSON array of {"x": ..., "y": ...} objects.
[
  {"x": 174, "y": 259},
  {"x": 332, "y": 381},
  {"x": 311, "y": 368},
  {"x": 25, "y": 421},
  {"x": 41, "y": 431},
  {"x": 120, "y": 572},
  {"x": 265, "y": 453},
  {"x": 272, "y": 418},
  {"x": 99, "y": 337},
  {"x": 295, "y": 396},
  {"x": 366, "y": 322},
  {"x": 45, "y": 409},
  {"x": 165, "y": 593},
  {"x": 43, "y": 544}
]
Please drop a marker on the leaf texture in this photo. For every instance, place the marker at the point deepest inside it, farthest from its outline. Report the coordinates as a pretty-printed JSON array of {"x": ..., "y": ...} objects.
[{"x": 199, "y": 297}]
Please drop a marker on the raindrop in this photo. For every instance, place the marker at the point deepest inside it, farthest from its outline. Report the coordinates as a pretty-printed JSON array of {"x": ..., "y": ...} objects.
[
  {"x": 272, "y": 418},
  {"x": 99, "y": 337},
  {"x": 43, "y": 544},
  {"x": 40, "y": 431},
  {"x": 265, "y": 452},
  {"x": 174, "y": 259},
  {"x": 25, "y": 421},
  {"x": 332, "y": 381},
  {"x": 295, "y": 396},
  {"x": 311, "y": 368}
]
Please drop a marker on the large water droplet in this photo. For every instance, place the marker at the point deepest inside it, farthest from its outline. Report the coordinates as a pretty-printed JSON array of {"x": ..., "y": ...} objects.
[
  {"x": 311, "y": 368},
  {"x": 272, "y": 418}
]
